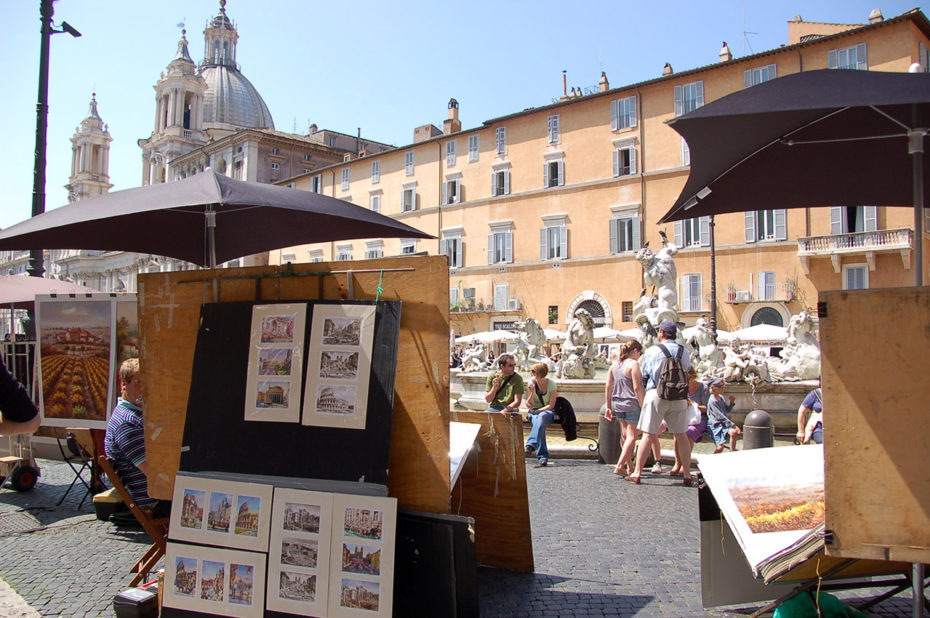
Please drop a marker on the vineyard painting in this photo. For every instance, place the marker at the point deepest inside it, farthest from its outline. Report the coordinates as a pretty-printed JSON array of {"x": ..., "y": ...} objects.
[{"x": 75, "y": 337}]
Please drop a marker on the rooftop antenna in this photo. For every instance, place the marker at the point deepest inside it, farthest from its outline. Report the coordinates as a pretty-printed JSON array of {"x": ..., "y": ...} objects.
[{"x": 746, "y": 33}]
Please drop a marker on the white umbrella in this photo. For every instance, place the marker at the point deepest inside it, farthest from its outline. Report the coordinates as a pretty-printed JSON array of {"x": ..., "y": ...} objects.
[
  {"x": 553, "y": 335},
  {"x": 603, "y": 333},
  {"x": 761, "y": 333},
  {"x": 489, "y": 336},
  {"x": 722, "y": 335},
  {"x": 632, "y": 333}
]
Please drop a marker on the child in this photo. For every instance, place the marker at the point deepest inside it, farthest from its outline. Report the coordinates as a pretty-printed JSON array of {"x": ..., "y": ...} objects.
[{"x": 717, "y": 421}]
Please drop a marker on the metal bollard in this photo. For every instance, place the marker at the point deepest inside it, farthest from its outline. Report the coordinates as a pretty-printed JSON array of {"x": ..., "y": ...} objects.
[
  {"x": 758, "y": 430},
  {"x": 609, "y": 438}
]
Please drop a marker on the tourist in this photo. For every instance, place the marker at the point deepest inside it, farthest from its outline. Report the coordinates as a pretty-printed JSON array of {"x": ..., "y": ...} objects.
[
  {"x": 624, "y": 393},
  {"x": 541, "y": 394},
  {"x": 505, "y": 387},
  {"x": 811, "y": 429},
  {"x": 656, "y": 410},
  {"x": 698, "y": 393},
  {"x": 720, "y": 425},
  {"x": 18, "y": 414},
  {"x": 124, "y": 441}
]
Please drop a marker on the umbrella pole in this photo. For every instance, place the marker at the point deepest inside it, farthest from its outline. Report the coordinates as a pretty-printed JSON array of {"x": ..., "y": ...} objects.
[
  {"x": 211, "y": 236},
  {"x": 917, "y": 159}
]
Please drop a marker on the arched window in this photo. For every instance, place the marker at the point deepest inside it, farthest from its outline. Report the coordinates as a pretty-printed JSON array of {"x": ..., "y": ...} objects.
[
  {"x": 767, "y": 315},
  {"x": 594, "y": 308}
]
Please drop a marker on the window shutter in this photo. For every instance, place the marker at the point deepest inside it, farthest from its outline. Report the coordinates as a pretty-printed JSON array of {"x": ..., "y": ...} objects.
[
  {"x": 836, "y": 220},
  {"x": 761, "y": 292},
  {"x": 616, "y": 162},
  {"x": 613, "y": 224},
  {"x": 773, "y": 71},
  {"x": 563, "y": 242},
  {"x": 543, "y": 242},
  {"x": 546, "y": 174},
  {"x": 508, "y": 252},
  {"x": 445, "y": 192},
  {"x": 636, "y": 224},
  {"x": 699, "y": 93},
  {"x": 444, "y": 248},
  {"x": 750, "y": 224},
  {"x": 633, "y": 160},
  {"x": 561, "y": 168},
  {"x": 506, "y": 183},
  {"x": 490, "y": 248},
  {"x": 614, "y": 116},
  {"x": 633, "y": 114},
  {"x": 831, "y": 59},
  {"x": 704, "y": 223},
  {"x": 870, "y": 214},
  {"x": 494, "y": 184},
  {"x": 781, "y": 224},
  {"x": 747, "y": 78},
  {"x": 459, "y": 192},
  {"x": 862, "y": 61},
  {"x": 460, "y": 254},
  {"x": 679, "y": 233},
  {"x": 679, "y": 101}
]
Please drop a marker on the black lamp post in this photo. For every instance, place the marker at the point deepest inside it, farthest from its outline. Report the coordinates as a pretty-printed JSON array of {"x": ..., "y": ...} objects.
[{"x": 46, "y": 10}]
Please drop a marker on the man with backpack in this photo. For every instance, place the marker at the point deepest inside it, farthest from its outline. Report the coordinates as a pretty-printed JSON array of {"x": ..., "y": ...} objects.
[{"x": 665, "y": 373}]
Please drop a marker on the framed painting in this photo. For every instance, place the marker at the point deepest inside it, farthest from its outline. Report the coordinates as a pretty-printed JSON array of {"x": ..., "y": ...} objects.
[
  {"x": 298, "y": 558},
  {"x": 223, "y": 582},
  {"x": 223, "y": 513},
  {"x": 276, "y": 351},
  {"x": 336, "y": 391}
]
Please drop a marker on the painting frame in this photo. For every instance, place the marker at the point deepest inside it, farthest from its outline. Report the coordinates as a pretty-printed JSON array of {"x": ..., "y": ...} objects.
[
  {"x": 276, "y": 355},
  {"x": 221, "y": 504},
  {"x": 339, "y": 367},
  {"x": 237, "y": 566}
]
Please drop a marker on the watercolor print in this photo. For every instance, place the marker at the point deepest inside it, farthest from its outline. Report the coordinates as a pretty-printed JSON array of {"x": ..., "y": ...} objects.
[
  {"x": 299, "y": 557},
  {"x": 362, "y": 559},
  {"x": 75, "y": 351},
  {"x": 359, "y": 594},
  {"x": 219, "y": 512},
  {"x": 339, "y": 367},
  {"x": 276, "y": 352},
  {"x": 213, "y": 580}
]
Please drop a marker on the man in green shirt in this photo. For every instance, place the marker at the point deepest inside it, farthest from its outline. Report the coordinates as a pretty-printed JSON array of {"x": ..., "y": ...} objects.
[{"x": 505, "y": 387}]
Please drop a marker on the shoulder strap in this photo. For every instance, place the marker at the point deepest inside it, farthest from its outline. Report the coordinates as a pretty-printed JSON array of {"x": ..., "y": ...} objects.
[
  {"x": 500, "y": 388},
  {"x": 664, "y": 351},
  {"x": 817, "y": 395},
  {"x": 681, "y": 351}
]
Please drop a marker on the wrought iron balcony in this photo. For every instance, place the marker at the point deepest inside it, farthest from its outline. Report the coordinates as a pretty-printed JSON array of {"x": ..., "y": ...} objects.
[{"x": 867, "y": 244}]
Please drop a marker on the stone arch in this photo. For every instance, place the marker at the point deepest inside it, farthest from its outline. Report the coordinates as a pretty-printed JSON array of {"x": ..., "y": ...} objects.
[
  {"x": 746, "y": 320},
  {"x": 589, "y": 299}
]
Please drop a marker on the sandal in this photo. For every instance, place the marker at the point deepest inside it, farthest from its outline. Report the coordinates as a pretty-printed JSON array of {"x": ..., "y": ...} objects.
[
  {"x": 632, "y": 479},
  {"x": 687, "y": 481}
]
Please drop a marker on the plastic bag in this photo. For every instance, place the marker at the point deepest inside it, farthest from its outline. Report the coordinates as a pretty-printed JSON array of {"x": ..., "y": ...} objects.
[{"x": 694, "y": 414}]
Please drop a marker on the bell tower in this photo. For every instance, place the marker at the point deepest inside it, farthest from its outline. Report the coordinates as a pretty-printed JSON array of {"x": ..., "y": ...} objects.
[{"x": 90, "y": 157}]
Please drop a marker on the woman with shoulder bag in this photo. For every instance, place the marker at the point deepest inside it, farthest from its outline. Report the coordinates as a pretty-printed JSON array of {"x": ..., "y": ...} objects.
[{"x": 540, "y": 402}]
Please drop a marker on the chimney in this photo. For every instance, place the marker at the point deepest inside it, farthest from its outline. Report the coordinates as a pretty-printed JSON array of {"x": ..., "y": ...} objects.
[
  {"x": 667, "y": 69},
  {"x": 603, "y": 85},
  {"x": 876, "y": 16},
  {"x": 358, "y": 141},
  {"x": 725, "y": 55},
  {"x": 452, "y": 124},
  {"x": 564, "y": 86}
]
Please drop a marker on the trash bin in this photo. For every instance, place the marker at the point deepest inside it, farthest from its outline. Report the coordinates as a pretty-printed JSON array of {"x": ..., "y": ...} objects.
[
  {"x": 609, "y": 438},
  {"x": 758, "y": 430}
]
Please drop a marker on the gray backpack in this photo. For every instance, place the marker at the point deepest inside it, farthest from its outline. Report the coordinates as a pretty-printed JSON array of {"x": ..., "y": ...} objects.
[{"x": 673, "y": 379}]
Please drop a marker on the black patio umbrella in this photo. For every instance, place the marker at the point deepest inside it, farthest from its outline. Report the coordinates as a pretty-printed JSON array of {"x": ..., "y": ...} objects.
[
  {"x": 206, "y": 219},
  {"x": 816, "y": 138}
]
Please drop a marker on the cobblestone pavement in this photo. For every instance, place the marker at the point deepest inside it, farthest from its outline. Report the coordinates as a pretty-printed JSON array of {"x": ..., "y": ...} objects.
[{"x": 603, "y": 547}]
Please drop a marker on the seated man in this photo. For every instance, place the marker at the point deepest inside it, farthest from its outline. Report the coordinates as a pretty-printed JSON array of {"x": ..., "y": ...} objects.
[
  {"x": 18, "y": 414},
  {"x": 504, "y": 389},
  {"x": 125, "y": 440}
]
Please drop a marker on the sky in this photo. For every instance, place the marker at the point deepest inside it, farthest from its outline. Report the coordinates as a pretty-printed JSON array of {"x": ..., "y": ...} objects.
[{"x": 385, "y": 66}]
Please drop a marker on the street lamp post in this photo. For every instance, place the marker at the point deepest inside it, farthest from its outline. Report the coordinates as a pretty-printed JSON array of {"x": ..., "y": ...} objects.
[{"x": 46, "y": 10}]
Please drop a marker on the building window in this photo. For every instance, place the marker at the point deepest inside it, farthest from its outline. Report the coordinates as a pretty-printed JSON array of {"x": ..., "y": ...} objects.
[
  {"x": 450, "y": 153},
  {"x": 408, "y": 199},
  {"x": 552, "y": 129},
  {"x": 625, "y": 233},
  {"x": 288, "y": 258},
  {"x": 500, "y": 244},
  {"x": 754, "y": 77},
  {"x": 374, "y": 202},
  {"x": 375, "y": 172},
  {"x": 332, "y": 141},
  {"x": 766, "y": 225},
  {"x": 553, "y": 240},
  {"x": 626, "y": 309},
  {"x": 275, "y": 166},
  {"x": 625, "y": 159},
  {"x": 688, "y": 97},
  {"x": 343, "y": 253},
  {"x": 275, "y": 151},
  {"x": 855, "y": 277},
  {"x": 767, "y": 315},
  {"x": 305, "y": 171},
  {"x": 501, "y": 295},
  {"x": 500, "y": 140},
  {"x": 691, "y": 292},
  {"x": 453, "y": 297},
  {"x": 473, "y": 148},
  {"x": 693, "y": 232},
  {"x": 623, "y": 113},
  {"x": 451, "y": 245},
  {"x": 553, "y": 314},
  {"x": 766, "y": 285},
  {"x": 553, "y": 173},
  {"x": 408, "y": 246},
  {"x": 291, "y": 185},
  {"x": 500, "y": 183},
  {"x": 452, "y": 191},
  {"x": 316, "y": 183},
  {"x": 408, "y": 163},
  {"x": 345, "y": 179},
  {"x": 374, "y": 250},
  {"x": 306, "y": 157},
  {"x": 851, "y": 219},
  {"x": 315, "y": 255},
  {"x": 468, "y": 292},
  {"x": 852, "y": 57}
]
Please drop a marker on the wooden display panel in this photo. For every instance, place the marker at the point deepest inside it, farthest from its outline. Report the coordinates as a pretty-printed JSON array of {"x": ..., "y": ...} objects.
[
  {"x": 876, "y": 397},
  {"x": 492, "y": 490},
  {"x": 169, "y": 309}
]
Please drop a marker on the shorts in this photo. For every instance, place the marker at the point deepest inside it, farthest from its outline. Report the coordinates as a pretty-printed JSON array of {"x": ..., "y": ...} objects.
[
  {"x": 655, "y": 410},
  {"x": 629, "y": 416}
]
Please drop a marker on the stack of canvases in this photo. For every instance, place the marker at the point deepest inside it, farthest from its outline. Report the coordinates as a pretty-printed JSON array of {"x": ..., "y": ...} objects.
[{"x": 289, "y": 544}]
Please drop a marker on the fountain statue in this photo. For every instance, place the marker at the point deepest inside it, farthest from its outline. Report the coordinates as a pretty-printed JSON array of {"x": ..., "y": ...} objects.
[
  {"x": 475, "y": 358},
  {"x": 800, "y": 358},
  {"x": 529, "y": 347},
  {"x": 705, "y": 355},
  {"x": 578, "y": 351},
  {"x": 659, "y": 272}
]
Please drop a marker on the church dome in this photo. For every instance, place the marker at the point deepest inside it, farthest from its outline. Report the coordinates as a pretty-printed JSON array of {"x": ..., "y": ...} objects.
[{"x": 231, "y": 99}]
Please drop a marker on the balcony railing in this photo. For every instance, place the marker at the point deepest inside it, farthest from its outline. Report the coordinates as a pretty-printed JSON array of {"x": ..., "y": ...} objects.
[{"x": 856, "y": 243}]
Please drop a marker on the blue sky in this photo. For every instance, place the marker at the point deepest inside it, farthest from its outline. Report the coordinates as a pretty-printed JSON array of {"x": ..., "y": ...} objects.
[{"x": 382, "y": 65}]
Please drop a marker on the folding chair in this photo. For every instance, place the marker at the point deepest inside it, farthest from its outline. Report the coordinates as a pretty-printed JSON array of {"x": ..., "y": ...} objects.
[
  {"x": 156, "y": 528},
  {"x": 76, "y": 454}
]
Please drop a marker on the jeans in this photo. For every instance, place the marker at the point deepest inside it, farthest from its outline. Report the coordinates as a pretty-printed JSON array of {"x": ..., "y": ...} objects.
[{"x": 537, "y": 438}]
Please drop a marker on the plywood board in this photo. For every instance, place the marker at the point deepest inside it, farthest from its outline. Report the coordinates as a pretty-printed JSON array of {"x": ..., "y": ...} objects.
[
  {"x": 876, "y": 424},
  {"x": 169, "y": 309},
  {"x": 492, "y": 490}
]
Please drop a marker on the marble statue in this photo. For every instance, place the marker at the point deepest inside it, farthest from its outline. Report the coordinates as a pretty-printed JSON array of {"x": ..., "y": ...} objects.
[
  {"x": 800, "y": 358},
  {"x": 475, "y": 358},
  {"x": 529, "y": 347},
  {"x": 706, "y": 356},
  {"x": 578, "y": 351},
  {"x": 659, "y": 272}
]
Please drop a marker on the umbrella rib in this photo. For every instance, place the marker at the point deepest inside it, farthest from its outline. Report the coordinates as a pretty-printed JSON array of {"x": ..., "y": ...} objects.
[{"x": 791, "y": 142}]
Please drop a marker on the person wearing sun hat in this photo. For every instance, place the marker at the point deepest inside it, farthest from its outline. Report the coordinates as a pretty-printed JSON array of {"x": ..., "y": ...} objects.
[{"x": 720, "y": 425}]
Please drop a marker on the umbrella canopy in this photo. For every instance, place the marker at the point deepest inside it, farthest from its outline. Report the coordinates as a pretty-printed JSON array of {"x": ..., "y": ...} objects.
[
  {"x": 489, "y": 336},
  {"x": 206, "y": 219},
  {"x": 687, "y": 333},
  {"x": 603, "y": 333},
  {"x": 19, "y": 291},
  {"x": 816, "y": 138},
  {"x": 761, "y": 333},
  {"x": 632, "y": 333},
  {"x": 553, "y": 335}
]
